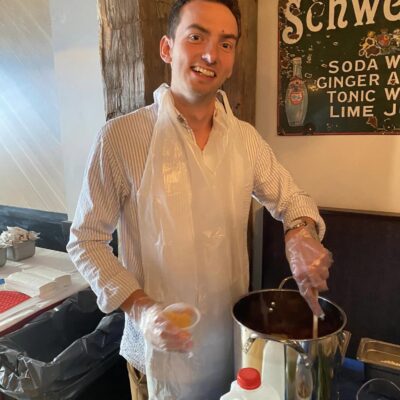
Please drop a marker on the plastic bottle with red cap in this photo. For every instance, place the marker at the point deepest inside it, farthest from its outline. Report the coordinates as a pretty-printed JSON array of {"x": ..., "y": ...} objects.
[{"x": 248, "y": 387}]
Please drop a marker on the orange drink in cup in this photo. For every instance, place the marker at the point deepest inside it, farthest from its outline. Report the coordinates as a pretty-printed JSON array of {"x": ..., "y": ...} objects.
[{"x": 183, "y": 315}]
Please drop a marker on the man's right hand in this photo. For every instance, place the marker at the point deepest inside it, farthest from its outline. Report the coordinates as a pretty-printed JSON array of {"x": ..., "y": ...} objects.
[
  {"x": 162, "y": 333},
  {"x": 309, "y": 262}
]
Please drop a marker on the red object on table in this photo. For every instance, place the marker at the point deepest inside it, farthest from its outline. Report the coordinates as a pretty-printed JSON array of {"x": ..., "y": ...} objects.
[{"x": 11, "y": 298}]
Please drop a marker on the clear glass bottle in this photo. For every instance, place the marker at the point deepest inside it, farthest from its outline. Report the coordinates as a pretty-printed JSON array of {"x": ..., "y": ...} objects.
[{"x": 296, "y": 100}]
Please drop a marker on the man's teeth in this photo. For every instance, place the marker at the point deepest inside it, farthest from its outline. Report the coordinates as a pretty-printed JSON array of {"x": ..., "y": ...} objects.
[{"x": 204, "y": 71}]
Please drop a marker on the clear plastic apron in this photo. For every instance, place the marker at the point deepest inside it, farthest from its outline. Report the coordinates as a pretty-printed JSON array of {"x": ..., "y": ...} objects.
[{"x": 193, "y": 227}]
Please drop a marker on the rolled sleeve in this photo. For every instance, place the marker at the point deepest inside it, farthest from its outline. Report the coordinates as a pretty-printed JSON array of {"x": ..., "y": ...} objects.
[
  {"x": 304, "y": 207},
  {"x": 275, "y": 189}
]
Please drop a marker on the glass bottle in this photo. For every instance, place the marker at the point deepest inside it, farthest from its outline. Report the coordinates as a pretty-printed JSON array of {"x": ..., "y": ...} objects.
[{"x": 296, "y": 100}]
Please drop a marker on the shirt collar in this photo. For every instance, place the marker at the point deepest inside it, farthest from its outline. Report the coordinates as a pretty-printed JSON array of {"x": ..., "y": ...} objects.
[{"x": 220, "y": 124}]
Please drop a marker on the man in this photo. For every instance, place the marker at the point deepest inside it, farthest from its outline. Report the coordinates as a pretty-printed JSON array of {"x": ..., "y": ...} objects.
[{"x": 179, "y": 176}]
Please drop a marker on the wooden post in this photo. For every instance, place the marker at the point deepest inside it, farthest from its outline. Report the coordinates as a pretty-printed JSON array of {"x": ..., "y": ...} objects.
[{"x": 130, "y": 32}]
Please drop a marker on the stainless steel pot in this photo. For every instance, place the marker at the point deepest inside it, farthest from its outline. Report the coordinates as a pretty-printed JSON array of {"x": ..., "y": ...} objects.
[{"x": 308, "y": 367}]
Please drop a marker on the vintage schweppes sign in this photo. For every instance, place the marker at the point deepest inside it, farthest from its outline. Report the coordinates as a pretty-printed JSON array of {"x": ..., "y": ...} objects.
[
  {"x": 348, "y": 68},
  {"x": 335, "y": 14}
]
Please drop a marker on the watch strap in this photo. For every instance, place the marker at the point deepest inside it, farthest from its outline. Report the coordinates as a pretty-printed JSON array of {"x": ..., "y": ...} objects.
[{"x": 296, "y": 224}]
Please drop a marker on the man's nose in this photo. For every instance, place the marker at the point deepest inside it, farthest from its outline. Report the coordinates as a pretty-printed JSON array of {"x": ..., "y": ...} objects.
[{"x": 210, "y": 53}]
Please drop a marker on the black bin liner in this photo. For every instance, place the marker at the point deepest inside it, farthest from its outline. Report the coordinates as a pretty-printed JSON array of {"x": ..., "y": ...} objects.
[{"x": 58, "y": 354}]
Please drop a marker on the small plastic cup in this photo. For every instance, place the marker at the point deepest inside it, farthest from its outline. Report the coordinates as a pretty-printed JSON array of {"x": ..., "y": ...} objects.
[{"x": 183, "y": 315}]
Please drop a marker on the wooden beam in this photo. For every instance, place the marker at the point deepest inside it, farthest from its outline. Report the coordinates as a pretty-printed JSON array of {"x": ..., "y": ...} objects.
[{"x": 130, "y": 31}]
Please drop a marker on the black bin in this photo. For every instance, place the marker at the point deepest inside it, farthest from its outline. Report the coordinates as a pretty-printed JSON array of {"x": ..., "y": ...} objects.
[{"x": 60, "y": 353}]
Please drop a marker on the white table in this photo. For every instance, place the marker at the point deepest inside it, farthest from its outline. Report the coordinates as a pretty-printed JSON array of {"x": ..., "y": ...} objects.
[{"x": 43, "y": 257}]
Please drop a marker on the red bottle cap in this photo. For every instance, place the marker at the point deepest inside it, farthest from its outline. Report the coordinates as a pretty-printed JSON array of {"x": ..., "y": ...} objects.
[{"x": 248, "y": 378}]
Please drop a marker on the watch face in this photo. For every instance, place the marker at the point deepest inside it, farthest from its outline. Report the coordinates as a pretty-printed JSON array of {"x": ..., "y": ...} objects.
[{"x": 300, "y": 223}]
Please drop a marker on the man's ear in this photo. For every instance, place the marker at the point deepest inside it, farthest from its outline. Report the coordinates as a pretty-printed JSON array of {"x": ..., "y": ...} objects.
[{"x": 165, "y": 49}]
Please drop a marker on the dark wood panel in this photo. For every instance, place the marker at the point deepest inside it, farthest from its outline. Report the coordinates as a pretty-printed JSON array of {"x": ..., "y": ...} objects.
[{"x": 365, "y": 277}]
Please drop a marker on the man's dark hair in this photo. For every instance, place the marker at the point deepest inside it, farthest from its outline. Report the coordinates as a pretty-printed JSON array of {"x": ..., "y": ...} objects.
[{"x": 175, "y": 13}]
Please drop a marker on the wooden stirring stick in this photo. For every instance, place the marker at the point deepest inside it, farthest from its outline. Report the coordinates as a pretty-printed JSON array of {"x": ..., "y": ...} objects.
[
  {"x": 315, "y": 319},
  {"x": 315, "y": 327}
]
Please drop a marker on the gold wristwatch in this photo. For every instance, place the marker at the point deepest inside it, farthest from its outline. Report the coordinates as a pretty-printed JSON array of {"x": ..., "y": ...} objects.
[{"x": 297, "y": 223}]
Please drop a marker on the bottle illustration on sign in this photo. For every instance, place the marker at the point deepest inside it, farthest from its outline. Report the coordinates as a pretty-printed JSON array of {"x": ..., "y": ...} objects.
[{"x": 296, "y": 100}]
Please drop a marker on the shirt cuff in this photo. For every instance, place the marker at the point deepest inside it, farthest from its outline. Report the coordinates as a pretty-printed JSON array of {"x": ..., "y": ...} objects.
[
  {"x": 117, "y": 290},
  {"x": 305, "y": 212}
]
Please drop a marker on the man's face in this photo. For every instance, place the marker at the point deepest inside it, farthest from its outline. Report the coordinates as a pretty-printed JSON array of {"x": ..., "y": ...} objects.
[{"x": 202, "y": 53}]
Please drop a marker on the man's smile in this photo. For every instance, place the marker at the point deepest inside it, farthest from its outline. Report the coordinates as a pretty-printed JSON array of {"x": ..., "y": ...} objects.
[{"x": 204, "y": 71}]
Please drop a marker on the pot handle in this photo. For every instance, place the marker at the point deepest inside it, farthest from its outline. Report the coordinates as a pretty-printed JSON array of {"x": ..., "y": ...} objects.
[
  {"x": 291, "y": 343},
  {"x": 296, "y": 346},
  {"x": 344, "y": 340},
  {"x": 284, "y": 281},
  {"x": 249, "y": 342}
]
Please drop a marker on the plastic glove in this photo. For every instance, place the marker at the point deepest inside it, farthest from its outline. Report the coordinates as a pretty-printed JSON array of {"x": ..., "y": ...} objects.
[
  {"x": 309, "y": 262},
  {"x": 161, "y": 332}
]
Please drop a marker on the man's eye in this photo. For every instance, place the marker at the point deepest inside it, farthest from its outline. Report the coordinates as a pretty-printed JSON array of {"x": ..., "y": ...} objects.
[
  {"x": 194, "y": 37},
  {"x": 227, "y": 45}
]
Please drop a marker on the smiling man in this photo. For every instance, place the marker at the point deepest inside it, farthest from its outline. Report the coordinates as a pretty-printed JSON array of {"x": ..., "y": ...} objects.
[
  {"x": 201, "y": 51},
  {"x": 178, "y": 176}
]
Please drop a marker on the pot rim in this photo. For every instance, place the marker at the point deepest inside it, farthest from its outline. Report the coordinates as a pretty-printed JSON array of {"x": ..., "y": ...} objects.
[{"x": 271, "y": 337}]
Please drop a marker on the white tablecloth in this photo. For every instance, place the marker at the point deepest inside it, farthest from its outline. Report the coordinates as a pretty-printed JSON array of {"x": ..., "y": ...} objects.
[{"x": 43, "y": 257}]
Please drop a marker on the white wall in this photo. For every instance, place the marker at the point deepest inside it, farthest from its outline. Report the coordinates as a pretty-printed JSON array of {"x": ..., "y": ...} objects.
[
  {"x": 352, "y": 172},
  {"x": 31, "y": 168},
  {"x": 79, "y": 83},
  {"x": 51, "y": 100}
]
